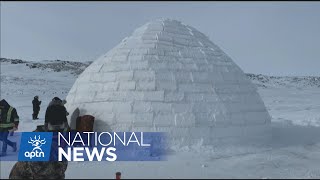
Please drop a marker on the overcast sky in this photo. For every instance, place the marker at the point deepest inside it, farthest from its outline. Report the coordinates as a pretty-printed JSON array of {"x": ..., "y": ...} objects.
[{"x": 274, "y": 38}]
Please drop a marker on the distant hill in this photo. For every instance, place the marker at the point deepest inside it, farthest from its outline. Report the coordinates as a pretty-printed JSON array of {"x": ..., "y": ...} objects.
[
  {"x": 73, "y": 67},
  {"x": 262, "y": 81}
]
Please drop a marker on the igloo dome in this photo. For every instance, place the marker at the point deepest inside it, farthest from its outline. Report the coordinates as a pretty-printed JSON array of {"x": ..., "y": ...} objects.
[{"x": 169, "y": 77}]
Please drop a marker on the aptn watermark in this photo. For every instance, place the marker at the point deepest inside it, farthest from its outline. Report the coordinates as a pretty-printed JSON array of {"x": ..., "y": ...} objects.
[{"x": 36, "y": 151}]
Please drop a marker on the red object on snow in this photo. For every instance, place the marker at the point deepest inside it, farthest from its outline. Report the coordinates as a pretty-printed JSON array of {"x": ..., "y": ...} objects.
[{"x": 85, "y": 123}]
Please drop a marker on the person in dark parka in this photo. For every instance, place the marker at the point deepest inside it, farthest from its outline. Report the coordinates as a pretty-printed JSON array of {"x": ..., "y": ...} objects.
[
  {"x": 41, "y": 169},
  {"x": 36, "y": 107},
  {"x": 56, "y": 115}
]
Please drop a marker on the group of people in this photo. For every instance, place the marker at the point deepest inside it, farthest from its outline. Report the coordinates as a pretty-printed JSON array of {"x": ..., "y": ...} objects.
[
  {"x": 56, "y": 114},
  {"x": 55, "y": 121}
]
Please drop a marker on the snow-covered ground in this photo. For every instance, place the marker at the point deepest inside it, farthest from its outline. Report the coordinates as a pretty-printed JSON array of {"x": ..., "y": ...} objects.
[{"x": 293, "y": 103}]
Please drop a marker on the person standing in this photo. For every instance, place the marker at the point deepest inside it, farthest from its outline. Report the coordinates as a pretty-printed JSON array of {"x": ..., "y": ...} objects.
[
  {"x": 56, "y": 116},
  {"x": 51, "y": 169},
  {"x": 9, "y": 121},
  {"x": 36, "y": 107}
]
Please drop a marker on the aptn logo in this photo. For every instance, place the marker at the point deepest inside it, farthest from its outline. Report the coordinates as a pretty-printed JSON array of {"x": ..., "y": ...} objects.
[
  {"x": 36, "y": 151},
  {"x": 35, "y": 146}
]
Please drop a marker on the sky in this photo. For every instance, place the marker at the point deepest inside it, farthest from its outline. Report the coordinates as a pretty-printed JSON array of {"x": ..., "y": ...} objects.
[{"x": 272, "y": 38}]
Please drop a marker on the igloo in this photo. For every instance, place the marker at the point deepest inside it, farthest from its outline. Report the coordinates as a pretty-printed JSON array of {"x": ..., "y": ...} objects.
[{"x": 169, "y": 77}]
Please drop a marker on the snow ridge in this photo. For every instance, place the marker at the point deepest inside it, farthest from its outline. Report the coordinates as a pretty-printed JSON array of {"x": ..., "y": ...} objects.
[{"x": 260, "y": 80}]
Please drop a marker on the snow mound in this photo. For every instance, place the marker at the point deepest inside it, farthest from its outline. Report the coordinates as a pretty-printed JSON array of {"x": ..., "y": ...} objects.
[{"x": 169, "y": 77}]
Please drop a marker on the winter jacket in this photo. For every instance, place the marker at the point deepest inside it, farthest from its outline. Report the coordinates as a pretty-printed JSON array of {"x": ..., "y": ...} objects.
[
  {"x": 36, "y": 104},
  {"x": 39, "y": 169},
  {"x": 8, "y": 116},
  {"x": 56, "y": 115}
]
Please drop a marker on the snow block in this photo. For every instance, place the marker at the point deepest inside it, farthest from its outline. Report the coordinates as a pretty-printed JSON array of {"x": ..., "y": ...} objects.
[
  {"x": 110, "y": 86},
  {"x": 153, "y": 96},
  {"x": 139, "y": 65},
  {"x": 127, "y": 85},
  {"x": 115, "y": 67},
  {"x": 194, "y": 97},
  {"x": 173, "y": 96},
  {"x": 141, "y": 106},
  {"x": 146, "y": 85},
  {"x": 143, "y": 120},
  {"x": 185, "y": 120},
  {"x": 195, "y": 87},
  {"x": 157, "y": 107},
  {"x": 182, "y": 107},
  {"x": 125, "y": 118},
  {"x": 124, "y": 76},
  {"x": 184, "y": 77},
  {"x": 144, "y": 75},
  {"x": 166, "y": 85},
  {"x": 119, "y": 107},
  {"x": 103, "y": 77},
  {"x": 164, "y": 119}
]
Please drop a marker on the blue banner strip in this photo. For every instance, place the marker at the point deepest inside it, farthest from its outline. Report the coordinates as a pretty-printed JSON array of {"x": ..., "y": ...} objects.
[{"x": 84, "y": 146}]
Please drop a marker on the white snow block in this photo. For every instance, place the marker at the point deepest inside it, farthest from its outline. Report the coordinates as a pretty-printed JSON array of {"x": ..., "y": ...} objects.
[
  {"x": 144, "y": 75},
  {"x": 184, "y": 77},
  {"x": 153, "y": 96},
  {"x": 125, "y": 118},
  {"x": 164, "y": 120},
  {"x": 119, "y": 107},
  {"x": 160, "y": 107},
  {"x": 141, "y": 107},
  {"x": 127, "y": 85},
  {"x": 110, "y": 86},
  {"x": 195, "y": 87},
  {"x": 204, "y": 119},
  {"x": 124, "y": 76},
  {"x": 139, "y": 65},
  {"x": 185, "y": 120},
  {"x": 143, "y": 120},
  {"x": 166, "y": 85},
  {"x": 146, "y": 85},
  {"x": 173, "y": 96},
  {"x": 115, "y": 67},
  {"x": 103, "y": 77},
  {"x": 194, "y": 97},
  {"x": 182, "y": 107}
]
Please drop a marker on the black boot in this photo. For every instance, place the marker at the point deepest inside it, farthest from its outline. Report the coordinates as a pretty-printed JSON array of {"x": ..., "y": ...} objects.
[{"x": 14, "y": 147}]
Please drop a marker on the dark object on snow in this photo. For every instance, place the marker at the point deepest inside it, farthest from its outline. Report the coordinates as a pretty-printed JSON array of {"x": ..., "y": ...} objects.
[
  {"x": 85, "y": 123},
  {"x": 56, "y": 115},
  {"x": 40, "y": 128},
  {"x": 36, "y": 107},
  {"x": 118, "y": 175}
]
